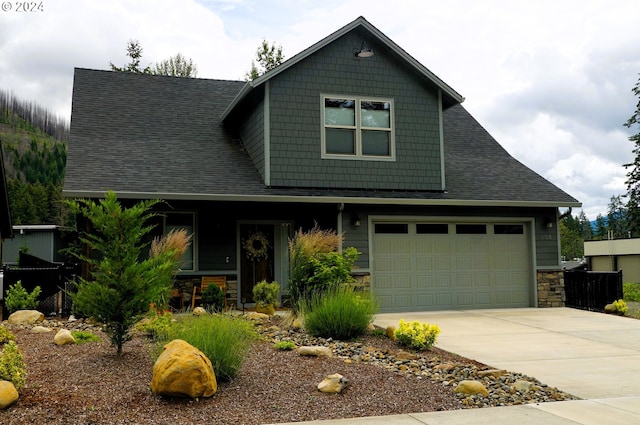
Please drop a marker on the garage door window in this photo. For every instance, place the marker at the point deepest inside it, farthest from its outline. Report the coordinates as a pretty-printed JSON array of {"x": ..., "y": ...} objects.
[
  {"x": 392, "y": 228},
  {"x": 471, "y": 229},
  {"x": 432, "y": 228},
  {"x": 508, "y": 229}
]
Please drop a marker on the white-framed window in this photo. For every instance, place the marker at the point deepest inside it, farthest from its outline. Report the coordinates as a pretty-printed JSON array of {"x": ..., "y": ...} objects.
[
  {"x": 357, "y": 128},
  {"x": 186, "y": 221}
]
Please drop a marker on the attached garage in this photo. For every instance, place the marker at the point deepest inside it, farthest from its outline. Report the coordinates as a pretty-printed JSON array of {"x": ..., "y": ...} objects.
[{"x": 421, "y": 265}]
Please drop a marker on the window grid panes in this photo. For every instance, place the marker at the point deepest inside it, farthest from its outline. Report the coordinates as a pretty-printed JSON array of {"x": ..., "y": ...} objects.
[{"x": 358, "y": 128}]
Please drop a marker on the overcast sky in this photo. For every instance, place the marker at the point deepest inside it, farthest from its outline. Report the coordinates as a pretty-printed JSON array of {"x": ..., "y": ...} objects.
[{"x": 551, "y": 80}]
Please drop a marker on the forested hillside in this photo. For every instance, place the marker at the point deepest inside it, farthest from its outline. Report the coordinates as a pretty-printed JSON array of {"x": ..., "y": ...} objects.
[{"x": 34, "y": 148}]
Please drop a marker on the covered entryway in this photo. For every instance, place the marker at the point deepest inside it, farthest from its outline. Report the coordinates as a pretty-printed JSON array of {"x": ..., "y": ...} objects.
[{"x": 420, "y": 266}]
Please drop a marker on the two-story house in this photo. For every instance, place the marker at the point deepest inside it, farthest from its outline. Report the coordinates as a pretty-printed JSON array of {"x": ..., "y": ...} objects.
[{"x": 353, "y": 134}]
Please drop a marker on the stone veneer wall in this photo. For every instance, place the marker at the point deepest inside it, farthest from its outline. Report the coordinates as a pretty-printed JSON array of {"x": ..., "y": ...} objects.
[{"x": 551, "y": 288}]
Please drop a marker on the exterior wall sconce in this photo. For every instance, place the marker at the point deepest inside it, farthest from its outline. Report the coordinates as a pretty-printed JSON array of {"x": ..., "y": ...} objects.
[
  {"x": 364, "y": 52},
  {"x": 355, "y": 220},
  {"x": 548, "y": 223}
]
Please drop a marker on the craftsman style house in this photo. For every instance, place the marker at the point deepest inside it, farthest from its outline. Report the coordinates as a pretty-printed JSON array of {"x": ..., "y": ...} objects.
[{"x": 352, "y": 134}]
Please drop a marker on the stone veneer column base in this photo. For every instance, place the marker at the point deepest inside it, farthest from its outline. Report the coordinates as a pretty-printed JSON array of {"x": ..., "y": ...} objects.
[{"x": 551, "y": 288}]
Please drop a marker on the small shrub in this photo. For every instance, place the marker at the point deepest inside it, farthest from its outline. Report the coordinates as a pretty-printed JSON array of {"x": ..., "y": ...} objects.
[
  {"x": 284, "y": 345},
  {"x": 420, "y": 336},
  {"x": 12, "y": 367},
  {"x": 156, "y": 325},
  {"x": 83, "y": 337},
  {"x": 620, "y": 307},
  {"x": 18, "y": 298},
  {"x": 631, "y": 291},
  {"x": 6, "y": 335},
  {"x": 223, "y": 339},
  {"x": 213, "y": 298},
  {"x": 339, "y": 313},
  {"x": 266, "y": 293}
]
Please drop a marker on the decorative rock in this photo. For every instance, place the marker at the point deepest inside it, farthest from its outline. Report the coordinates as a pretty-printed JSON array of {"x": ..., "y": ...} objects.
[
  {"x": 25, "y": 317},
  {"x": 40, "y": 330},
  {"x": 8, "y": 394},
  {"x": 297, "y": 324},
  {"x": 199, "y": 311},
  {"x": 445, "y": 367},
  {"x": 391, "y": 332},
  {"x": 496, "y": 373},
  {"x": 258, "y": 317},
  {"x": 333, "y": 384},
  {"x": 522, "y": 386},
  {"x": 315, "y": 350},
  {"x": 64, "y": 337},
  {"x": 183, "y": 371},
  {"x": 404, "y": 355},
  {"x": 471, "y": 387}
]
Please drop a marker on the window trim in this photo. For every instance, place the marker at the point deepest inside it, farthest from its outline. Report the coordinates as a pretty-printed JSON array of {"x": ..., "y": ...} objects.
[{"x": 358, "y": 129}]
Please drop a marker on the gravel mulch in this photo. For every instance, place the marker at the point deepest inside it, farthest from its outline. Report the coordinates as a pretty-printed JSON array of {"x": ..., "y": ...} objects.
[{"x": 90, "y": 384}]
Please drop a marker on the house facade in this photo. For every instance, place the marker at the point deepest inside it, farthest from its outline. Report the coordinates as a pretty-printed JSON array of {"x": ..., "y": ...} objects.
[{"x": 377, "y": 148}]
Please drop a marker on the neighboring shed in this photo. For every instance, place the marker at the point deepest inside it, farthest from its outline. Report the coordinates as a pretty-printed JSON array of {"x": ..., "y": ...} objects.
[
  {"x": 42, "y": 241},
  {"x": 613, "y": 255}
]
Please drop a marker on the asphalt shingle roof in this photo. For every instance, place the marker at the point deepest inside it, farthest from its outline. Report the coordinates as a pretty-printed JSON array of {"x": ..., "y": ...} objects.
[{"x": 157, "y": 136}]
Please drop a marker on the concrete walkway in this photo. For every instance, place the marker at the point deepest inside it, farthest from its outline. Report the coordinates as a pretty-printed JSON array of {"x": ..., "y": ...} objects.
[{"x": 591, "y": 355}]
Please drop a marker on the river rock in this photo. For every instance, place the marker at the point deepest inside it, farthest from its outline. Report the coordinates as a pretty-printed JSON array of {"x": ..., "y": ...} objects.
[
  {"x": 64, "y": 337},
  {"x": 333, "y": 384},
  {"x": 315, "y": 350},
  {"x": 183, "y": 371},
  {"x": 25, "y": 317},
  {"x": 8, "y": 394},
  {"x": 471, "y": 387},
  {"x": 40, "y": 330}
]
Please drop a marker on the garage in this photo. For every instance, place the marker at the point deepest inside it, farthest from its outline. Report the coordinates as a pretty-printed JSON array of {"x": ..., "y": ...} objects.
[{"x": 421, "y": 266}]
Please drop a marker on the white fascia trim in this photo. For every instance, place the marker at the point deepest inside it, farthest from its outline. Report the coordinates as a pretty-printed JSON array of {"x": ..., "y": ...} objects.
[
  {"x": 318, "y": 199},
  {"x": 267, "y": 137}
]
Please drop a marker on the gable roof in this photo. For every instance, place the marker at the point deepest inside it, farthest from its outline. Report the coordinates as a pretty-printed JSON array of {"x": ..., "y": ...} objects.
[
  {"x": 450, "y": 96},
  {"x": 6, "y": 230},
  {"x": 149, "y": 136}
]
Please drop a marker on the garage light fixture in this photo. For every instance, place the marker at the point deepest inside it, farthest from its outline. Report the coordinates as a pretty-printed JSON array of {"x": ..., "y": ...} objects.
[
  {"x": 548, "y": 223},
  {"x": 355, "y": 220}
]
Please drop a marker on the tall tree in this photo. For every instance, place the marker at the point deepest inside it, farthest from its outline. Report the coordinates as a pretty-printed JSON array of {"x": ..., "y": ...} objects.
[
  {"x": 585, "y": 227},
  {"x": 617, "y": 218},
  {"x": 601, "y": 228},
  {"x": 176, "y": 66},
  {"x": 267, "y": 58},
  {"x": 633, "y": 173}
]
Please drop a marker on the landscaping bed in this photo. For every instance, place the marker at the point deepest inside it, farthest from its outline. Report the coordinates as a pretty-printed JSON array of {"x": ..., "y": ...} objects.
[{"x": 90, "y": 384}]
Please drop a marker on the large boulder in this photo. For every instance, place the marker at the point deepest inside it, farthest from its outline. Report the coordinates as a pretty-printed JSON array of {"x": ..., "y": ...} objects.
[
  {"x": 183, "y": 371},
  {"x": 8, "y": 394},
  {"x": 64, "y": 337},
  {"x": 25, "y": 317}
]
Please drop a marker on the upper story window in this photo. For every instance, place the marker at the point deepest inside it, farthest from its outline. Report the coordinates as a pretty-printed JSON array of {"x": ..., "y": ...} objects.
[{"x": 357, "y": 128}]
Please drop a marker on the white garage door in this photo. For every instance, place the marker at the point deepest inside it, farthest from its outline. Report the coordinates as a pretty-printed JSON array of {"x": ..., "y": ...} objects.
[{"x": 436, "y": 266}]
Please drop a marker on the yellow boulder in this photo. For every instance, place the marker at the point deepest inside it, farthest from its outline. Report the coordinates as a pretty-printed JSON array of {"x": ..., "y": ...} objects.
[{"x": 8, "y": 394}]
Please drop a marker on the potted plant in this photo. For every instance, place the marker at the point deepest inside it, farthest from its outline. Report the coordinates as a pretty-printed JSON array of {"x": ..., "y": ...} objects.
[{"x": 265, "y": 296}]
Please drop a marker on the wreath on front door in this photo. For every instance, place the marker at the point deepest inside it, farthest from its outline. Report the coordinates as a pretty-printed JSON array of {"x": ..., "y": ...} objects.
[{"x": 257, "y": 246}]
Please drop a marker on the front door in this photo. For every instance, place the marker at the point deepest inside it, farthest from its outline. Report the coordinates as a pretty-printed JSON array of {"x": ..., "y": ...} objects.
[{"x": 263, "y": 256}]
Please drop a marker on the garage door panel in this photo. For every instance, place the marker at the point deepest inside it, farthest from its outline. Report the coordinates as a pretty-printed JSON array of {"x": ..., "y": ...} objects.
[{"x": 451, "y": 271}]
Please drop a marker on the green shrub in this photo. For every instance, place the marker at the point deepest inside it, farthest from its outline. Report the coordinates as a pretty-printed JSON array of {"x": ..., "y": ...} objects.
[
  {"x": 266, "y": 293},
  {"x": 12, "y": 367},
  {"x": 213, "y": 298},
  {"x": 18, "y": 298},
  {"x": 225, "y": 340},
  {"x": 6, "y": 335},
  {"x": 82, "y": 337},
  {"x": 284, "y": 345},
  {"x": 156, "y": 325},
  {"x": 420, "y": 336},
  {"x": 340, "y": 313},
  {"x": 631, "y": 291}
]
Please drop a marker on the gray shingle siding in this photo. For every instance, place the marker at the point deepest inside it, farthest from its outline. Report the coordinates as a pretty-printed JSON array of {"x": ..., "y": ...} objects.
[
  {"x": 295, "y": 122},
  {"x": 252, "y": 135}
]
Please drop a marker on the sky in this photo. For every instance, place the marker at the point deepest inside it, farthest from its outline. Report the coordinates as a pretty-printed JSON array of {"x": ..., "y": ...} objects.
[{"x": 551, "y": 80}]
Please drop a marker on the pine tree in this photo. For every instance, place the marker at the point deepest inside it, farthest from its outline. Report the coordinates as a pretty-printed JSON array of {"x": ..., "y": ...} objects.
[{"x": 633, "y": 173}]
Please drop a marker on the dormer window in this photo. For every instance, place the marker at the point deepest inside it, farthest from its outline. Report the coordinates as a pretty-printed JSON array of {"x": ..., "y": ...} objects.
[{"x": 357, "y": 128}]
